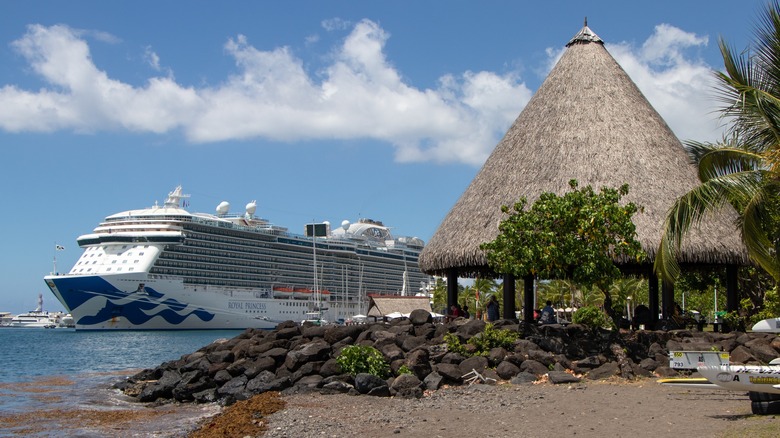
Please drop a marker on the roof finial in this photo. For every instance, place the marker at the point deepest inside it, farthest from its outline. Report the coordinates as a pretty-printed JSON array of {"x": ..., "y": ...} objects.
[{"x": 585, "y": 35}]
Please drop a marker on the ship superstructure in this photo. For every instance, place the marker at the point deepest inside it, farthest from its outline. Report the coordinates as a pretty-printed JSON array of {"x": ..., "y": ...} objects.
[{"x": 166, "y": 268}]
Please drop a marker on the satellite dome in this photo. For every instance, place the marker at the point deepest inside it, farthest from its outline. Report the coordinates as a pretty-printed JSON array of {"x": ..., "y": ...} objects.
[
  {"x": 345, "y": 225},
  {"x": 223, "y": 208},
  {"x": 251, "y": 208}
]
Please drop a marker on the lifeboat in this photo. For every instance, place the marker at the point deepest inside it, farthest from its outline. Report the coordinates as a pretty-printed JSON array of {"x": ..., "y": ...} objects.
[{"x": 282, "y": 292}]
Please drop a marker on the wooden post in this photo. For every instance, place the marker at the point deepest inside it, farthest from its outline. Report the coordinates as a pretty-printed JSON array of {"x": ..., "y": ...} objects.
[
  {"x": 732, "y": 288},
  {"x": 653, "y": 297},
  {"x": 667, "y": 299},
  {"x": 452, "y": 288},
  {"x": 528, "y": 299}
]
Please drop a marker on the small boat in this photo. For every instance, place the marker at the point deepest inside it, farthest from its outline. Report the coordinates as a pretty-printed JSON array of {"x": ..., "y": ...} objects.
[
  {"x": 689, "y": 382},
  {"x": 37, "y": 318},
  {"x": 282, "y": 292},
  {"x": 770, "y": 325},
  {"x": 752, "y": 378}
]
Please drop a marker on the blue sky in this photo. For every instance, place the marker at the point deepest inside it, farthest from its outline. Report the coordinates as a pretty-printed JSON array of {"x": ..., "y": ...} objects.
[{"x": 318, "y": 110}]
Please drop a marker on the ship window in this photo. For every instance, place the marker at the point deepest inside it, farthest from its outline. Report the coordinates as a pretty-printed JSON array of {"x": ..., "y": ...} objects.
[
  {"x": 118, "y": 269},
  {"x": 135, "y": 261},
  {"x": 131, "y": 268},
  {"x": 141, "y": 253},
  {"x": 108, "y": 269},
  {"x": 124, "y": 261},
  {"x": 113, "y": 261}
]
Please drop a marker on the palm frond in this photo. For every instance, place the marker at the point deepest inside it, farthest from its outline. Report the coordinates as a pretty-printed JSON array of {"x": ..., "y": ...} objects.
[{"x": 754, "y": 233}]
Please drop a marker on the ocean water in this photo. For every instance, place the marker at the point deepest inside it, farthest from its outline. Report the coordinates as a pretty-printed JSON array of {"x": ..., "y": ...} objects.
[{"x": 47, "y": 377}]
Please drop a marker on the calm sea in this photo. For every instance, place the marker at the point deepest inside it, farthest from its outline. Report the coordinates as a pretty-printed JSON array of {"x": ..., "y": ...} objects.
[{"x": 46, "y": 373}]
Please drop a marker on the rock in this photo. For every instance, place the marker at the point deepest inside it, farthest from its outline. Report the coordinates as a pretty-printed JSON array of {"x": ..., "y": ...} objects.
[
  {"x": 412, "y": 342},
  {"x": 506, "y": 370},
  {"x": 605, "y": 371},
  {"x": 496, "y": 356},
  {"x": 534, "y": 367},
  {"x": 337, "y": 333},
  {"x": 420, "y": 317},
  {"x": 222, "y": 377},
  {"x": 288, "y": 332},
  {"x": 450, "y": 372},
  {"x": 471, "y": 328},
  {"x": 477, "y": 363},
  {"x": 558, "y": 377},
  {"x": 365, "y": 382},
  {"x": 433, "y": 381},
  {"x": 741, "y": 355},
  {"x": 418, "y": 362},
  {"x": 762, "y": 350},
  {"x": 648, "y": 364},
  {"x": 588, "y": 362},
  {"x": 407, "y": 386},
  {"x": 312, "y": 351},
  {"x": 523, "y": 377},
  {"x": 336, "y": 387},
  {"x": 233, "y": 386},
  {"x": 206, "y": 396},
  {"x": 391, "y": 352}
]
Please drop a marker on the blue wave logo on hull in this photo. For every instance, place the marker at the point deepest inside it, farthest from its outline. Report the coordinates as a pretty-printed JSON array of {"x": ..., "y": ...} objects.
[{"x": 133, "y": 306}]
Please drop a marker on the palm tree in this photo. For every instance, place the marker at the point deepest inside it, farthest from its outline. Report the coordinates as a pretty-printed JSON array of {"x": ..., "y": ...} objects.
[
  {"x": 744, "y": 169},
  {"x": 483, "y": 288}
]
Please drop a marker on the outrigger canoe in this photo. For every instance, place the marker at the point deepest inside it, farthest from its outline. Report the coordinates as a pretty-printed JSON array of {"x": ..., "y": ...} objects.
[
  {"x": 689, "y": 382},
  {"x": 755, "y": 378}
]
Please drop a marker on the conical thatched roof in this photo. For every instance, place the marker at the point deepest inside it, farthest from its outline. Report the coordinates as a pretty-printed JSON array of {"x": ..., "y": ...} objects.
[
  {"x": 588, "y": 121},
  {"x": 385, "y": 305}
]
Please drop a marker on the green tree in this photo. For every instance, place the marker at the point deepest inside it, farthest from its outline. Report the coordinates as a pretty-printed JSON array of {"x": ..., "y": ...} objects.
[
  {"x": 577, "y": 236},
  {"x": 440, "y": 295},
  {"x": 744, "y": 169}
]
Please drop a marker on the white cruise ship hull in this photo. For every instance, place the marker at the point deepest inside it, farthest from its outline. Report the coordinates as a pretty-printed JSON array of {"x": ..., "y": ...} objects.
[{"x": 115, "y": 303}]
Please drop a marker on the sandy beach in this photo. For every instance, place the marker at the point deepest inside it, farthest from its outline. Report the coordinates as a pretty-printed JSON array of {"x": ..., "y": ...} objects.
[{"x": 643, "y": 408}]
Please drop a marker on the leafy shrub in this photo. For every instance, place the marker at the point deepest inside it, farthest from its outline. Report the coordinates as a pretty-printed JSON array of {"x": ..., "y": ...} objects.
[
  {"x": 403, "y": 369},
  {"x": 770, "y": 307},
  {"x": 356, "y": 359},
  {"x": 491, "y": 337},
  {"x": 453, "y": 344},
  {"x": 592, "y": 317}
]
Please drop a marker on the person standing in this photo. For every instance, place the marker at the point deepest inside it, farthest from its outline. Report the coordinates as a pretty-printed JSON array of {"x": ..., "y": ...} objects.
[
  {"x": 548, "y": 314},
  {"x": 492, "y": 308}
]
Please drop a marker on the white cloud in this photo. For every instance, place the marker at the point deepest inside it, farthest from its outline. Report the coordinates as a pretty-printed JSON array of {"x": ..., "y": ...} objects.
[
  {"x": 360, "y": 94},
  {"x": 678, "y": 85}
]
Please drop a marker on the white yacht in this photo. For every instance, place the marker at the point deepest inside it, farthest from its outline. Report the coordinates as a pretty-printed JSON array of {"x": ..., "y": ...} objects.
[
  {"x": 37, "y": 318},
  {"x": 163, "y": 267}
]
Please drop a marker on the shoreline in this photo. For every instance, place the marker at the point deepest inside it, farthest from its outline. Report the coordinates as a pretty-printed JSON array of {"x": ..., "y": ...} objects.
[{"x": 642, "y": 408}]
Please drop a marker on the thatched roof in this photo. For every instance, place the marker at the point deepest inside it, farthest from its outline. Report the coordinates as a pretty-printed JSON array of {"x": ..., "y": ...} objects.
[
  {"x": 588, "y": 121},
  {"x": 385, "y": 305}
]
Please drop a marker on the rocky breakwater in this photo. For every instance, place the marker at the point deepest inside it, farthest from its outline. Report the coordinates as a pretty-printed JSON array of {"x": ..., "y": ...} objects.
[{"x": 294, "y": 358}]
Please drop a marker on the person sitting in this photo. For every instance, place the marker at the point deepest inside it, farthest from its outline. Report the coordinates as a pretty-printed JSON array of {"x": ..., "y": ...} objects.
[
  {"x": 548, "y": 314},
  {"x": 453, "y": 313}
]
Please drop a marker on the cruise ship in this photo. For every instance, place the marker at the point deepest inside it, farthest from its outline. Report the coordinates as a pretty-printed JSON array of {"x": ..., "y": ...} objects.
[{"x": 163, "y": 268}]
